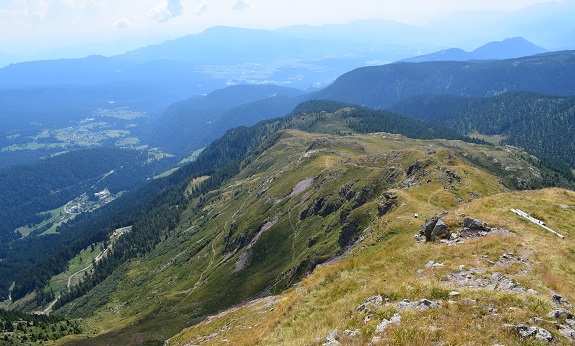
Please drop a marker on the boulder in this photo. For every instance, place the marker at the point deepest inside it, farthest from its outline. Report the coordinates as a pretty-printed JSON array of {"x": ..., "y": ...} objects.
[
  {"x": 427, "y": 228},
  {"x": 440, "y": 230},
  {"x": 477, "y": 224}
]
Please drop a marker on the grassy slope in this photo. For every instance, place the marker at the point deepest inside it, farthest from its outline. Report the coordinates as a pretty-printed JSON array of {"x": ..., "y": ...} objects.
[
  {"x": 192, "y": 273},
  {"x": 328, "y": 298}
]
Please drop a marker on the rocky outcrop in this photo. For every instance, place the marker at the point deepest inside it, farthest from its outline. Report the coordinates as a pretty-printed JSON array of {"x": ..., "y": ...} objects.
[
  {"x": 561, "y": 313},
  {"x": 389, "y": 200},
  {"x": 473, "y": 228},
  {"x": 566, "y": 321},
  {"x": 475, "y": 278},
  {"x": 420, "y": 305},
  {"x": 475, "y": 224},
  {"x": 539, "y": 334},
  {"x": 434, "y": 228},
  {"x": 370, "y": 304},
  {"x": 427, "y": 228},
  {"x": 440, "y": 231}
]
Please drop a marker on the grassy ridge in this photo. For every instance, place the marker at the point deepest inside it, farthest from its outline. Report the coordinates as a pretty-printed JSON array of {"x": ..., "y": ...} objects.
[{"x": 260, "y": 235}]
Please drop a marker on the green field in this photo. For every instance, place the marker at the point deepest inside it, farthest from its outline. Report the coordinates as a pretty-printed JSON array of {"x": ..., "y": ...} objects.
[
  {"x": 496, "y": 139},
  {"x": 84, "y": 134},
  {"x": 192, "y": 157}
]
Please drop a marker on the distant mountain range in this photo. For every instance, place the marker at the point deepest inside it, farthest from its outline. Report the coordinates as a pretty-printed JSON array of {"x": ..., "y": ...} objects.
[
  {"x": 509, "y": 48},
  {"x": 188, "y": 125},
  {"x": 191, "y": 124}
]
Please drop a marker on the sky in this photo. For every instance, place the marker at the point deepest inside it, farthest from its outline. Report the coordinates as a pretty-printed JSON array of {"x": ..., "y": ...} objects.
[{"x": 29, "y": 26}]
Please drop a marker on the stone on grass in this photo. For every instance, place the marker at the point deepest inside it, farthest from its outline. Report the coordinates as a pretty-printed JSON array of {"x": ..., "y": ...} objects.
[{"x": 395, "y": 319}]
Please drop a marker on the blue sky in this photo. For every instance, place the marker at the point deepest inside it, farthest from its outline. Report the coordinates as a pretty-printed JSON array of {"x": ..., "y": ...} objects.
[{"x": 28, "y": 26}]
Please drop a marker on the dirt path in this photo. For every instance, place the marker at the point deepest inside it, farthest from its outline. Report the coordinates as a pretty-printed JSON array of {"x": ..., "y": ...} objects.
[
  {"x": 201, "y": 278},
  {"x": 45, "y": 312},
  {"x": 78, "y": 272}
]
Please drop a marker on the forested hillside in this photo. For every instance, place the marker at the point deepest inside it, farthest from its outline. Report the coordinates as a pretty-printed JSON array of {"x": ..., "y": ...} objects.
[
  {"x": 29, "y": 190},
  {"x": 543, "y": 125},
  {"x": 382, "y": 86}
]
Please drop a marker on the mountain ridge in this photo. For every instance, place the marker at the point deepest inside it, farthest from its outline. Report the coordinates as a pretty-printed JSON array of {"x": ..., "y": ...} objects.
[
  {"x": 515, "y": 47},
  {"x": 254, "y": 211}
]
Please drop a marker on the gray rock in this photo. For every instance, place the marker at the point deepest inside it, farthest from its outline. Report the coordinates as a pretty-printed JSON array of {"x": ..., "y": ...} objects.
[
  {"x": 331, "y": 339},
  {"x": 543, "y": 335},
  {"x": 427, "y": 228},
  {"x": 567, "y": 332},
  {"x": 537, "y": 333},
  {"x": 472, "y": 223},
  {"x": 370, "y": 303},
  {"x": 367, "y": 318},
  {"x": 526, "y": 331},
  {"x": 420, "y": 305},
  {"x": 440, "y": 230},
  {"x": 425, "y": 304},
  {"x": 351, "y": 333},
  {"x": 395, "y": 319},
  {"x": 561, "y": 313},
  {"x": 432, "y": 264}
]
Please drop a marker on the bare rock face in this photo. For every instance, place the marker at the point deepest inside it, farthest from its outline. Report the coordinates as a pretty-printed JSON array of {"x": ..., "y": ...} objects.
[{"x": 388, "y": 201}]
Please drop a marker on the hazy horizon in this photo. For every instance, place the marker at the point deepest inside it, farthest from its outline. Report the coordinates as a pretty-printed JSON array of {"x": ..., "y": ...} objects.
[{"x": 52, "y": 29}]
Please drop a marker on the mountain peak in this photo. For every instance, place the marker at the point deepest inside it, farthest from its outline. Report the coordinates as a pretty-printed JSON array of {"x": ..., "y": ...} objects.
[{"x": 508, "y": 48}]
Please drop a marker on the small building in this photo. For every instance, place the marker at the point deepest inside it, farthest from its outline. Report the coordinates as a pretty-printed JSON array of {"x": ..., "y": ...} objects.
[{"x": 103, "y": 194}]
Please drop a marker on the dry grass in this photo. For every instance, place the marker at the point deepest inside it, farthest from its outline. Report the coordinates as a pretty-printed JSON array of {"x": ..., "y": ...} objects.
[{"x": 328, "y": 299}]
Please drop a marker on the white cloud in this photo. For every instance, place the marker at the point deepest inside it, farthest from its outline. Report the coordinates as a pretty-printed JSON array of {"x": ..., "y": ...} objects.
[
  {"x": 122, "y": 23},
  {"x": 241, "y": 4},
  {"x": 202, "y": 8},
  {"x": 166, "y": 10}
]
